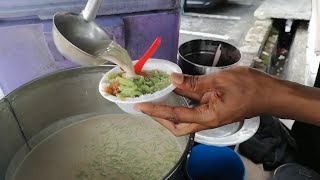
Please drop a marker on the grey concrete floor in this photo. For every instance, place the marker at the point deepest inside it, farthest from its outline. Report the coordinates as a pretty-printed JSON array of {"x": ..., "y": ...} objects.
[{"x": 229, "y": 21}]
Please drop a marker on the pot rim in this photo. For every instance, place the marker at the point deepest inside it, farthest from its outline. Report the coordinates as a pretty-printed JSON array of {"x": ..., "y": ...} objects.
[{"x": 190, "y": 140}]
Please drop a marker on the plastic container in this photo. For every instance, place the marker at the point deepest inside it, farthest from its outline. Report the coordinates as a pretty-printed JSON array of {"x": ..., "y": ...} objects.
[
  {"x": 158, "y": 97},
  {"x": 295, "y": 171},
  {"x": 211, "y": 162}
]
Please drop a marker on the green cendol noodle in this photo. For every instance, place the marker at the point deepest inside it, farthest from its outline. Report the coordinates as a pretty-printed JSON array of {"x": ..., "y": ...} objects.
[{"x": 120, "y": 147}]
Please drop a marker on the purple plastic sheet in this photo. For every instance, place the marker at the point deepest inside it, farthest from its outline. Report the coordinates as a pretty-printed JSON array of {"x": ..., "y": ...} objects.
[
  {"x": 24, "y": 56},
  {"x": 27, "y": 50}
]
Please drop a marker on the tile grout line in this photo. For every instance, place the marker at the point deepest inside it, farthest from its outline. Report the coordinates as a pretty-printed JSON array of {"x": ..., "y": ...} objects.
[
  {"x": 212, "y": 16},
  {"x": 209, "y": 35}
]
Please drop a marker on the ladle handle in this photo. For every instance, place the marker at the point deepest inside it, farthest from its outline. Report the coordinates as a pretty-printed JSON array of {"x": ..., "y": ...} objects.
[{"x": 89, "y": 13}]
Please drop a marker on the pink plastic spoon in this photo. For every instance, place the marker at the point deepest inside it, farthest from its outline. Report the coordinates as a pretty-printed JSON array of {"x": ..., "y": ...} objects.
[{"x": 153, "y": 48}]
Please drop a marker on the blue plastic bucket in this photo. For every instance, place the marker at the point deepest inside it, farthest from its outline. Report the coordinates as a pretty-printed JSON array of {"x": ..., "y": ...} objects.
[{"x": 211, "y": 162}]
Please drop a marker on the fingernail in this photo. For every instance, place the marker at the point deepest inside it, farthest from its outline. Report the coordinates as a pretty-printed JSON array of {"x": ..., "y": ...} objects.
[
  {"x": 137, "y": 108},
  {"x": 177, "y": 78}
]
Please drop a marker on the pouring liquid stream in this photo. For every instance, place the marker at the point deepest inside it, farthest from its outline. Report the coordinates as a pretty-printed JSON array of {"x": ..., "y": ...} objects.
[{"x": 116, "y": 54}]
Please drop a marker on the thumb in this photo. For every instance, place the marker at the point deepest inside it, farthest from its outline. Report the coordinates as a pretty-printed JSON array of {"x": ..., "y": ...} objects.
[{"x": 190, "y": 83}]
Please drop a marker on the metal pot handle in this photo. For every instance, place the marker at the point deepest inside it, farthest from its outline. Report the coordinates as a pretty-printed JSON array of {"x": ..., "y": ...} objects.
[{"x": 89, "y": 13}]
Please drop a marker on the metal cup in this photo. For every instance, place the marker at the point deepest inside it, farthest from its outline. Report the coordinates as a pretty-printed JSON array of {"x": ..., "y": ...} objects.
[{"x": 196, "y": 57}]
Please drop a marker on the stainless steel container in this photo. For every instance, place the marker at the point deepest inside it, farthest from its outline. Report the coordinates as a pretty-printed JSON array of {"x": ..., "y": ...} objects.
[
  {"x": 37, "y": 110},
  {"x": 196, "y": 56}
]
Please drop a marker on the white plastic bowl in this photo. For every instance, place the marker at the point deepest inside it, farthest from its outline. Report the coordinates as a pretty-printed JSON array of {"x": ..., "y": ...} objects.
[{"x": 158, "y": 97}]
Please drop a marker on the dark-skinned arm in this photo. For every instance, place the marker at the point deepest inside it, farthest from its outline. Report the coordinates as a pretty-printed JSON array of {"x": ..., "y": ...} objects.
[{"x": 232, "y": 95}]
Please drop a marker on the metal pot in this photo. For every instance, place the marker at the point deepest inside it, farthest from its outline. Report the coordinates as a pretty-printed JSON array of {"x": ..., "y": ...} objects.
[
  {"x": 43, "y": 107},
  {"x": 196, "y": 56}
]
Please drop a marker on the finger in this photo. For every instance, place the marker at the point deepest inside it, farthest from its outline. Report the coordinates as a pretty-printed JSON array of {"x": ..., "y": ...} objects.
[
  {"x": 175, "y": 114},
  {"x": 191, "y": 83},
  {"x": 181, "y": 128},
  {"x": 210, "y": 96},
  {"x": 196, "y": 96}
]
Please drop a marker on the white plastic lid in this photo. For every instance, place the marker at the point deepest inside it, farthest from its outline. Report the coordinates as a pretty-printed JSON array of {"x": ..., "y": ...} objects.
[{"x": 229, "y": 135}]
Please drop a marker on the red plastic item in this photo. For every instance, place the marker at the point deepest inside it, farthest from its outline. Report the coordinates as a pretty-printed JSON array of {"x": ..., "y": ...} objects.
[{"x": 153, "y": 48}]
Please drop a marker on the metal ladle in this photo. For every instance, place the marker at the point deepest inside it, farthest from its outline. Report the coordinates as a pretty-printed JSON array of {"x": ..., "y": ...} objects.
[{"x": 77, "y": 37}]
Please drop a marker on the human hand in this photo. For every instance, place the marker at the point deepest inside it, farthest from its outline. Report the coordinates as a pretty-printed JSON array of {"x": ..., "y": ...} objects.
[{"x": 224, "y": 97}]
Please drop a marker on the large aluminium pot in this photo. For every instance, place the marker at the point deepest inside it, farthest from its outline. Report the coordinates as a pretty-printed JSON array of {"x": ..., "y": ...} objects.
[{"x": 46, "y": 105}]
